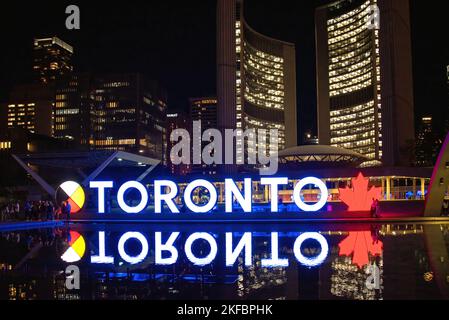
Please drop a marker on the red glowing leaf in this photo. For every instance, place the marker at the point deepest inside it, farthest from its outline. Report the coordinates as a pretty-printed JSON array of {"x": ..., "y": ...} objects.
[
  {"x": 360, "y": 245},
  {"x": 359, "y": 198}
]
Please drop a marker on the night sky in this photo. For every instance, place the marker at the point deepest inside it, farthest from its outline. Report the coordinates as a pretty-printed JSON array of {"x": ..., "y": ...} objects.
[{"x": 174, "y": 42}]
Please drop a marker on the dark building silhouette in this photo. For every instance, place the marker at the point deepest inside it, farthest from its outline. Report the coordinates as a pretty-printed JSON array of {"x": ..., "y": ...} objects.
[
  {"x": 30, "y": 107},
  {"x": 364, "y": 79},
  {"x": 204, "y": 110},
  {"x": 177, "y": 120},
  {"x": 52, "y": 59}
]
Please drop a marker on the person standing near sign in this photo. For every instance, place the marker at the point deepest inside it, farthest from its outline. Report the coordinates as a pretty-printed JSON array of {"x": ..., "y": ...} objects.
[{"x": 68, "y": 208}]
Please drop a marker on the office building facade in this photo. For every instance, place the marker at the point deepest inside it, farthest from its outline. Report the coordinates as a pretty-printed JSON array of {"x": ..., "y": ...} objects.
[
  {"x": 256, "y": 77},
  {"x": 204, "y": 110},
  {"x": 30, "y": 107},
  {"x": 428, "y": 144},
  {"x": 364, "y": 79},
  {"x": 112, "y": 112},
  {"x": 52, "y": 59}
]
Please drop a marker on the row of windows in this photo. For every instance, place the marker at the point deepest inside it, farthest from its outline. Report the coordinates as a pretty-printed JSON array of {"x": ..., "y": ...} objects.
[
  {"x": 264, "y": 85},
  {"x": 350, "y": 75},
  {"x": 354, "y": 138},
  {"x": 350, "y": 124},
  {"x": 360, "y": 52},
  {"x": 67, "y": 112},
  {"x": 356, "y": 46},
  {"x": 250, "y": 60},
  {"x": 342, "y": 20},
  {"x": 354, "y": 130},
  {"x": 12, "y": 106},
  {"x": 353, "y": 86},
  {"x": 356, "y": 66},
  {"x": 351, "y": 110},
  {"x": 4, "y": 145},
  {"x": 348, "y": 39},
  {"x": 112, "y": 142}
]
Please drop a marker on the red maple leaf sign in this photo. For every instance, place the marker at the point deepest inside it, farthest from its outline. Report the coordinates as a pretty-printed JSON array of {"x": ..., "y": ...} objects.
[
  {"x": 359, "y": 198},
  {"x": 359, "y": 245}
]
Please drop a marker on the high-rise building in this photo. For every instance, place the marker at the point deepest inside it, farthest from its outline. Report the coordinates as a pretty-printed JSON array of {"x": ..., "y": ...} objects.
[
  {"x": 112, "y": 112},
  {"x": 72, "y": 111},
  {"x": 256, "y": 77},
  {"x": 52, "y": 59},
  {"x": 364, "y": 79},
  {"x": 204, "y": 110},
  {"x": 428, "y": 144},
  {"x": 30, "y": 107},
  {"x": 176, "y": 120}
]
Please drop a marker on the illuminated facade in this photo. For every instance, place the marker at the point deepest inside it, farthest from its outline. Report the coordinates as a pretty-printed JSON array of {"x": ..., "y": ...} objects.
[
  {"x": 52, "y": 59},
  {"x": 428, "y": 144},
  {"x": 204, "y": 110},
  {"x": 112, "y": 112},
  {"x": 256, "y": 77},
  {"x": 365, "y": 100},
  {"x": 30, "y": 107},
  {"x": 175, "y": 121}
]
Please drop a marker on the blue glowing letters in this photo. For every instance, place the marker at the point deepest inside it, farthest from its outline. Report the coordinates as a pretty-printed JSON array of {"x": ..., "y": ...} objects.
[{"x": 166, "y": 193}]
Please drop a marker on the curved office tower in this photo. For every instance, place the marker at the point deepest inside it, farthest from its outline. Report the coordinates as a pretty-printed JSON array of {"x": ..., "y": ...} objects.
[
  {"x": 256, "y": 83},
  {"x": 364, "y": 80}
]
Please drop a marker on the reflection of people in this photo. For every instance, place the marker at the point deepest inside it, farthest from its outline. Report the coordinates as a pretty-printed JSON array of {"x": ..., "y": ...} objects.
[
  {"x": 68, "y": 209},
  {"x": 374, "y": 208},
  {"x": 445, "y": 211},
  {"x": 65, "y": 209}
]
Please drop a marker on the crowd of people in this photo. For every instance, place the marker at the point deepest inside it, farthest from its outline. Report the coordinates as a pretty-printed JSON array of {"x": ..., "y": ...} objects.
[{"x": 28, "y": 210}]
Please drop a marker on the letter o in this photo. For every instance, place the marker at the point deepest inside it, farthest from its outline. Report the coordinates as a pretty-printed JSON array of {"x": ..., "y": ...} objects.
[
  {"x": 121, "y": 247},
  {"x": 143, "y": 193},
  {"x": 188, "y": 196},
  {"x": 311, "y": 262},
  {"x": 213, "y": 248},
  {"x": 308, "y": 207}
]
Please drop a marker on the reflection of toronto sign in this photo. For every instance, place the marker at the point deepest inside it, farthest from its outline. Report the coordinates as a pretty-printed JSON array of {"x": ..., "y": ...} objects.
[{"x": 168, "y": 246}]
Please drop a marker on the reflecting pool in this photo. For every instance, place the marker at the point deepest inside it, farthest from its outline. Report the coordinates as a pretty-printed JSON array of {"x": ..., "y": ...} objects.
[{"x": 226, "y": 261}]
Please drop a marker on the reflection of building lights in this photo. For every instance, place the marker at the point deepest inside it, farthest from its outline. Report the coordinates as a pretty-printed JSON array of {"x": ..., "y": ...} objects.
[
  {"x": 428, "y": 276},
  {"x": 315, "y": 261}
]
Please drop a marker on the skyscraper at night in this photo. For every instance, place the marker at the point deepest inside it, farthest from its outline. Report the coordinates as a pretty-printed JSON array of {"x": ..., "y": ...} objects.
[
  {"x": 256, "y": 77},
  {"x": 52, "y": 59},
  {"x": 205, "y": 110},
  {"x": 177, "y": 120},
  {"x": 364, "y": 79},
  {"x": 112, "y": 112}
]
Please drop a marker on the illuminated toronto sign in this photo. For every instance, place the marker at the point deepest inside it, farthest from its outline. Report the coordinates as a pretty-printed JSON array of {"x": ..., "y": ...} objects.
[{"x": 166, "y": 191}]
